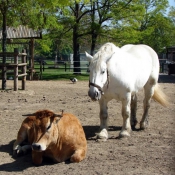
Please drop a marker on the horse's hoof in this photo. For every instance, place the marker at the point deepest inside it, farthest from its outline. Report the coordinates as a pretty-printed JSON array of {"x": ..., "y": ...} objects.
[
  {"x": 103, "y": 135},
  {"x": 124, "y": 134},
  {"x": 133, "y": 125},
  {"x": 101, "y": 139},
  {"x": 144, "y": 125}
]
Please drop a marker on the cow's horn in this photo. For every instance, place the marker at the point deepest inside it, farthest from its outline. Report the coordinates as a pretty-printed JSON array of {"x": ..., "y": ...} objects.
[
  {"x": 58, "y": 115},
  {"x": 29, "y": 114}
]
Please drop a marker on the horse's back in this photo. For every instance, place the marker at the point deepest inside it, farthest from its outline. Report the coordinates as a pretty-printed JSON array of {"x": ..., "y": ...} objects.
[
  {"x": 134, "y": 65},
  {"x": 146, "y": 53}
]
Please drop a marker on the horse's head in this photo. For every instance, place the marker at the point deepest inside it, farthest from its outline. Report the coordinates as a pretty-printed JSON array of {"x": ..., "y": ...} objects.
[{"x": 98, "y": 75}]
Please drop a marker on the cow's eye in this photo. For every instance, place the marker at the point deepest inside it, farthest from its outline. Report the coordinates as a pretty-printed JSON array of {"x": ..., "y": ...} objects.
[{"x": 48, "y": 127}]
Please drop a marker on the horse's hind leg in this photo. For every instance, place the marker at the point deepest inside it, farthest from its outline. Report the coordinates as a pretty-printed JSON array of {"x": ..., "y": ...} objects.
[
  {"x": 149, "y": 91},
  {"x": 103, "y": 134},
  {"x": 133, "y": 111}
]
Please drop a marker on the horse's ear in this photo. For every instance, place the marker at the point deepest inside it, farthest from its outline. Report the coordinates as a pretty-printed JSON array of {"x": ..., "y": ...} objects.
[{"x": 89, "y": 57}]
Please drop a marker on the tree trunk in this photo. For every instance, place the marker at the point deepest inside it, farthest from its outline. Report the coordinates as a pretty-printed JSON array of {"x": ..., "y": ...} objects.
[
  {"x": 76, "y": 46},
  {"x": 93, "y": 38},
  {"x": 93, "y": 44},
  {"x": 76, "y": 54},
  {"x": 4, "y": 39}
]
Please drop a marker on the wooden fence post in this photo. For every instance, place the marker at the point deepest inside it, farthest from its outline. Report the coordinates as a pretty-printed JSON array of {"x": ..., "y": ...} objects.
[
  {"x": 41, "y": 69},
  {"x": 23, "y": 59},
  {"x": 15, "y": 69}
]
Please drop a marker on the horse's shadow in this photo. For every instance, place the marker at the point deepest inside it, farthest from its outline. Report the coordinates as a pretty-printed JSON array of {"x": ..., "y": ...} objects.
[
  {"x": 91, "y": 131},
  {"x": 164, "y": 78}
]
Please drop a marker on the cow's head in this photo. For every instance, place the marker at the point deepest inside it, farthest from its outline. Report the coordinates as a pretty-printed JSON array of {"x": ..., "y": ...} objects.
[{"x": 43, "y": 131}]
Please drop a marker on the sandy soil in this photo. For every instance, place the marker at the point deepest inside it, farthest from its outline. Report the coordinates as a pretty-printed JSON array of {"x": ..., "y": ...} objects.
[{"x": 146, "y": 152}]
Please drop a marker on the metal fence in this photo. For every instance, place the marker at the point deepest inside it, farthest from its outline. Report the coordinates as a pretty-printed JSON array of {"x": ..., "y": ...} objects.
[{"x": 59, "y": 67}]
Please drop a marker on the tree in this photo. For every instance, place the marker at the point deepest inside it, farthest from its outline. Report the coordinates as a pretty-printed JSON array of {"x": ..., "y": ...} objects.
[
  {"x": 154, "y": 27},
  {"x": 171, "y": 16},
  {"x": 79, "y": 11},
  {"x": 36, "y": 15},
  {"x": 121, "y": 22}
]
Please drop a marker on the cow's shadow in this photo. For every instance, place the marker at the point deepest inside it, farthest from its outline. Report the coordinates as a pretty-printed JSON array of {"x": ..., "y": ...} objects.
[
  {"x": 19, "y": 164},
  {"x": 22, "y": 162}
]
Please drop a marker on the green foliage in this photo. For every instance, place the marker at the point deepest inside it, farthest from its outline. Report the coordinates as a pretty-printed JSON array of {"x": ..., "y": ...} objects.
[{"x": 121, "y": 22}]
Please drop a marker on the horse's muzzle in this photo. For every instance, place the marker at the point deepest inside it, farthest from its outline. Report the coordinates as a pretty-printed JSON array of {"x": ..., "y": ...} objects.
[{"x": 94, "y": 94}]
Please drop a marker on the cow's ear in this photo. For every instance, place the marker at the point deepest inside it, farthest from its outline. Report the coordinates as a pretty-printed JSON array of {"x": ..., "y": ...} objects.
[
  {"x": 56, "y": 120},
  {"x": 57, "y": 117}
]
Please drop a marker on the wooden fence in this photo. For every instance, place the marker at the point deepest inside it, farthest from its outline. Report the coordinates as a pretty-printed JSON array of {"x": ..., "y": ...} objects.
[{"x": 15, "y": 66}]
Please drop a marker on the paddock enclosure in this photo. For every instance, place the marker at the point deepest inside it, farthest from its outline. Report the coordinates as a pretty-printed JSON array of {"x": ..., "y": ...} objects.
[{"x": 147, "y": 152}]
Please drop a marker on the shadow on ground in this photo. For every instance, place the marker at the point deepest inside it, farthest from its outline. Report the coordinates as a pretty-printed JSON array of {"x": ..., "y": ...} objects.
[{"x": 164, "y": 78}]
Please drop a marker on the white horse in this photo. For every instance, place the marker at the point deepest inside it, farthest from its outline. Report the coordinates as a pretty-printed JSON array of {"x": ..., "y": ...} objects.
[{"x": 118, "y": 73}]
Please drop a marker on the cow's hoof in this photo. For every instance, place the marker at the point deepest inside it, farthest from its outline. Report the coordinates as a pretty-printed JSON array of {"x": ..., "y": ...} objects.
[
  {"x": 103, "y": 135},
  {"x": 124, "y": 133},
  {"x": 18, "y": 152}
]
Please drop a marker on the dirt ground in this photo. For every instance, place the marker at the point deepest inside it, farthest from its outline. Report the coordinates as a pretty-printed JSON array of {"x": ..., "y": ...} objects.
[{"x": 149, "y": 152}]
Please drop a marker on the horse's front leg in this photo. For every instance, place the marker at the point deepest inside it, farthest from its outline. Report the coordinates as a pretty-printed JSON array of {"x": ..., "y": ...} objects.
[
  {"x": 126, "y": 112},
  {"x": 103, "y": 134}
]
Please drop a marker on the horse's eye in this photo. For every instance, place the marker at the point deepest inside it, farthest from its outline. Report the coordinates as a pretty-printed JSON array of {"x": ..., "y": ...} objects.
[{"x": 103, "y": 71}]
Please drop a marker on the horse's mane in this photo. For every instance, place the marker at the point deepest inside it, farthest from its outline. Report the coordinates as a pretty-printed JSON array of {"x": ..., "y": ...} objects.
[{"x": 105, "y": 50}]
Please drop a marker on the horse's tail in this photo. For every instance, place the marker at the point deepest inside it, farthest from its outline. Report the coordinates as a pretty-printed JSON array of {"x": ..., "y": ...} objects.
[{"x": 160, "y": 97}]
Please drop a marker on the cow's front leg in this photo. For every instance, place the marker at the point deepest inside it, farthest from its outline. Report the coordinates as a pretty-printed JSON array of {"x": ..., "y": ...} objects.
[
  {"x": 103, "y": 134},
  {"x": 37, "y": 157},
  {"x": 126, "y": 112},
  {"x": 18, "y": 149}
]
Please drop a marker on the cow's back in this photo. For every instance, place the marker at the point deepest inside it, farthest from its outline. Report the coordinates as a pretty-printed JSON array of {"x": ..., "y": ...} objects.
[{"x": 71, "y": 137}]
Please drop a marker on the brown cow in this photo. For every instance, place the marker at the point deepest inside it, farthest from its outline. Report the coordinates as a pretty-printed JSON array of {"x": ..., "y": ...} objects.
[{"x": 59, "y": 137}]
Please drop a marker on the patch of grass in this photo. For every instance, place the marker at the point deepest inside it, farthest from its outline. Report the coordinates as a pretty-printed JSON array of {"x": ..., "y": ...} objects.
[
  {"x": 64, "y": 76},
  {"x": 60, "y": 73}
]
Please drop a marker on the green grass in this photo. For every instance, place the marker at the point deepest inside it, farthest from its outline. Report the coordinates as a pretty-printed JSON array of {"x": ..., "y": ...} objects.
[
  {"x": 64, "y": 76},
  {"x": 57, "y": 73},
  {"x": 60, "y": 73}
]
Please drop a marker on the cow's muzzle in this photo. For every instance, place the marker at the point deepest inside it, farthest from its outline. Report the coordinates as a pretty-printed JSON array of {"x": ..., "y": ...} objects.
[{"x": 37, "y": 147}]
